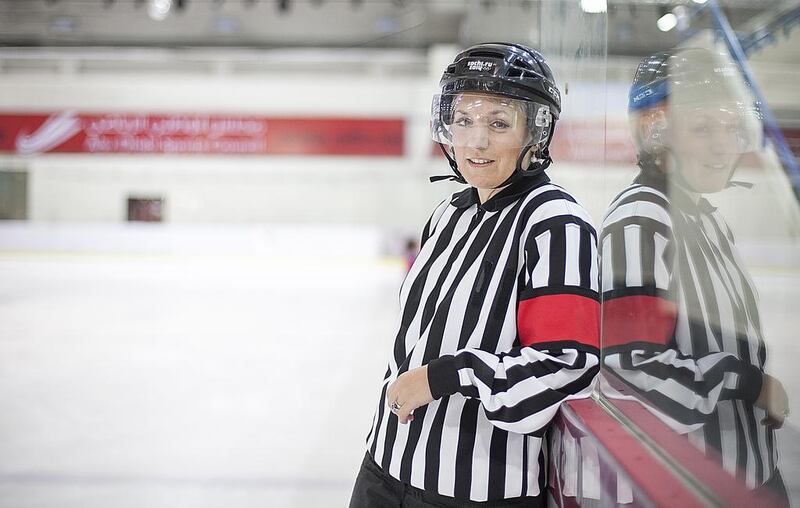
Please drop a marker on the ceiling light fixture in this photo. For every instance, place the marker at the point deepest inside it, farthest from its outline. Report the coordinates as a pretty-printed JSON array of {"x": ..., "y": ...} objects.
[
  {"x": 594, "y": 6},
  {"x": 158, "y": 10},
  {"x": 667, "y": 22}
]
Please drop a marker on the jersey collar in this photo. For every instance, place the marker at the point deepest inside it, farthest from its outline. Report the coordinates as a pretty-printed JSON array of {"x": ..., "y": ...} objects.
[{"x": 505, "y": 197}]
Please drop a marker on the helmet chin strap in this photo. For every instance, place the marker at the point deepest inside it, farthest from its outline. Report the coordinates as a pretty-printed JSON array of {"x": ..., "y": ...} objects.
[{"x": 458, "y": 177}]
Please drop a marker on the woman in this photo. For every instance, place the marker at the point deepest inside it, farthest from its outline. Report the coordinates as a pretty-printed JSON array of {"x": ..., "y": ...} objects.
[
  {"x": 499, "y": 313},
  {"x": 681, "y": 325}
]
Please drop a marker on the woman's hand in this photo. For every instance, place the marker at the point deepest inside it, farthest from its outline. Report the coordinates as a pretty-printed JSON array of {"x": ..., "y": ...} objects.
[
  {"x": 774, "y": 401},
  {"x": 409, "y": 391}
]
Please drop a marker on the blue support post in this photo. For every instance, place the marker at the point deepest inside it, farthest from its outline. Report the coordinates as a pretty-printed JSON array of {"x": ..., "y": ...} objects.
[{"x": 770, "y": 124}]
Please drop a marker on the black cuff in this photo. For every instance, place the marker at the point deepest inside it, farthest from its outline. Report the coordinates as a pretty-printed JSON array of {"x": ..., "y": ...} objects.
[
  {"x": 750, "y": 382},
  {"x": 443, "y": 376}
]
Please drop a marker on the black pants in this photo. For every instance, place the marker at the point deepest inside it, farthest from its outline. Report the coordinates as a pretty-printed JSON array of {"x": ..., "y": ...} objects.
[
  {"x": 376, "y": 489},
  {"x": 777, "y": 489}
]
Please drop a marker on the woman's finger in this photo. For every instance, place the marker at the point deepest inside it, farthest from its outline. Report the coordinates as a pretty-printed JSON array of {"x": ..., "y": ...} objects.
[{"x": 404, "y": 412}]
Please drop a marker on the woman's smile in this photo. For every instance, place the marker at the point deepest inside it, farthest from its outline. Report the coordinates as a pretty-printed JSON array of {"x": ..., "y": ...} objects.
[{"x": 479, "y": 162}]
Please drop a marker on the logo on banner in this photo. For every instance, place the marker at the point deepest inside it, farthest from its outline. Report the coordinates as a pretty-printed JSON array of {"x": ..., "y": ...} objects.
[{"x": 57, "y": 129}]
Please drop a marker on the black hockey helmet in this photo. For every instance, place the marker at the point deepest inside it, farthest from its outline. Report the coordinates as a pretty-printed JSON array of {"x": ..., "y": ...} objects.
[
  {"x": 693, "y": 83},
  {"x": 508, "y": 70},
  {"x": 689, "y": 80}
]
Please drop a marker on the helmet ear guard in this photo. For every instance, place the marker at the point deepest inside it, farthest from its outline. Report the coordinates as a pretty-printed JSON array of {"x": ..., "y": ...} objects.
[
  {"x": 539, "y": 160},
  {"x": 652, "y": 130}
]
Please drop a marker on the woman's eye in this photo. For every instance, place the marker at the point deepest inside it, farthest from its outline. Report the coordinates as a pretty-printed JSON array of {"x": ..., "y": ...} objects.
[
  {"x": 499, "y": 124},
  {"x": 463, "y": 122}
]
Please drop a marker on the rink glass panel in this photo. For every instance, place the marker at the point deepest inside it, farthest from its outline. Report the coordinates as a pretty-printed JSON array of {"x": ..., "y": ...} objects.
[{"x": 699, "y": 289}]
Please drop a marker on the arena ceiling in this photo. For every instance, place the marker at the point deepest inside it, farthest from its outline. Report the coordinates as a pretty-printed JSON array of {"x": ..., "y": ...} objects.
[{"x": 336, "y": 23}]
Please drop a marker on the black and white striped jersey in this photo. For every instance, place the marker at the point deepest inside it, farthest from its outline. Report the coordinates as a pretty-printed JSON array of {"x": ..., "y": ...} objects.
[
  {"x": 502, "y": 305},
  {"x": 681, "y": 323}
]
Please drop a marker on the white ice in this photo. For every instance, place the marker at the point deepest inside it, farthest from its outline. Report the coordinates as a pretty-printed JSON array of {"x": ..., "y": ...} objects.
[
  {"x": 210, "y": 367},
  {"x": 189, "y": 379}
]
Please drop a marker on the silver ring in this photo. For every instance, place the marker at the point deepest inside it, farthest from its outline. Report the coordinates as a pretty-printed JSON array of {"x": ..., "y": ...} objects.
[{"x": 395, "y": 407}]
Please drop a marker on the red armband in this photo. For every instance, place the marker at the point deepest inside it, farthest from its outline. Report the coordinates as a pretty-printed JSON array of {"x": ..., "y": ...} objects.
[
  {"x": 557, "y": 317},
  {"x": 638, "y": 318}
]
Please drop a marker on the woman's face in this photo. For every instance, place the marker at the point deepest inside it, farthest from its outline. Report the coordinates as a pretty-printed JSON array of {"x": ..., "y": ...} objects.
[
  {"x": 706, "y": 143},
  {"x": 488, "y": 133}
]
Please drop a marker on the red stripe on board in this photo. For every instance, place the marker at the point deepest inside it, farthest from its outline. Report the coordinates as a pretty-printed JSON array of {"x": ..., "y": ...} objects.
[
  {"x": 707, "y": 470},
  {"x": 559, "y": 317},
  {"x": 638, "y": 318},
  {"x": 620, "y": 450}
]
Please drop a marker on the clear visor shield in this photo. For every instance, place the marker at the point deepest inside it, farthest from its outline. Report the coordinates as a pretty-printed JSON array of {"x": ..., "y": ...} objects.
[
  {"x": 713, "y": 104},
  {"x": 731, "y": 127},
  {"x": 481, "y": 121}
]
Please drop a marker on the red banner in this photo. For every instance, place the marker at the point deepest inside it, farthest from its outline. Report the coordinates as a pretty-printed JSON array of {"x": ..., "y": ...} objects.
[
  {"x": 70, "y": 132},
  {"x": 593, "y": 141}
]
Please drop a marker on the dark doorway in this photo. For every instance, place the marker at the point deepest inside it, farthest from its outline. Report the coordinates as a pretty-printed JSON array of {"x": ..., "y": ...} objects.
[
  {"x": 145, "y": 209},
  {"x": 13, "y": 195}
]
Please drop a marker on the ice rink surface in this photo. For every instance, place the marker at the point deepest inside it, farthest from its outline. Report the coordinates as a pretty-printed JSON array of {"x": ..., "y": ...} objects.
[
  {"x": 170, "y": 380},
  {"x": 235, "y": 376}
]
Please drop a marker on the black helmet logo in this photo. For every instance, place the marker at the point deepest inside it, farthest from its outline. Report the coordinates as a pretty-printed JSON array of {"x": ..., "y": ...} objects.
[{"x": 480, "y": 65}]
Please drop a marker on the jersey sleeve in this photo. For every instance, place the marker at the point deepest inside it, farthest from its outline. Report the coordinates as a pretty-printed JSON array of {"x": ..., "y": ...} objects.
[
  {"x": 557, "y": 326},
  {"x": 640, "y": 280}
]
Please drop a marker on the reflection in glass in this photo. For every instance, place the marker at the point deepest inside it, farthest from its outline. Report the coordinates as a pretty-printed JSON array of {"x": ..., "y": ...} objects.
[{"x": 681, "y": 326}]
